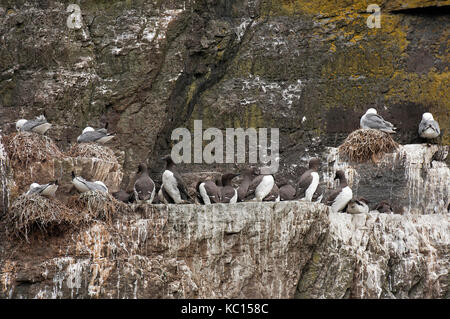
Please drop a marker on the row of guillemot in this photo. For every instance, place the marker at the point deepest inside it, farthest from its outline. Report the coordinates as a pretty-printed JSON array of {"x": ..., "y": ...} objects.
[{"x": 255, "y": 185}]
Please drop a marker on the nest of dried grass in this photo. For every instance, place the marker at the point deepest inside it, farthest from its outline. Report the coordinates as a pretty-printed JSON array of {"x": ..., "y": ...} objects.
[
  {"x": 92, "y": 150},
  {"x": 365, "y": 144},
  {"x": 31, "y": 213},
  {"x": 24, "y": 148},
  {"x": 98, "y": 205}
]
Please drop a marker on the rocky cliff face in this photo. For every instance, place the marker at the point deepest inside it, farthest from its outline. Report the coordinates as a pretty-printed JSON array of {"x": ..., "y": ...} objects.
[
  {"x": 309, "y": 68},
  {"x": 245, "y": 250}
]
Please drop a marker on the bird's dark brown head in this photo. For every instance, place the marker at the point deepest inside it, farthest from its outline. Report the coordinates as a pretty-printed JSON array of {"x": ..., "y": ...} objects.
[
  {"x": 314, "y": 164},
  {"x": 142, "y": 168},
  {"x": 341, "y": 176}
]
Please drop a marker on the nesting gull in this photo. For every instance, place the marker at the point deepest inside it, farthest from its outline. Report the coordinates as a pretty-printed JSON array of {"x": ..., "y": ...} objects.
[
  {"x": 83, "y": 185},
  {"x": 48, "y": 190},
  {"x": 374, "y": 121},
  {"x": 38, "y": 125}
]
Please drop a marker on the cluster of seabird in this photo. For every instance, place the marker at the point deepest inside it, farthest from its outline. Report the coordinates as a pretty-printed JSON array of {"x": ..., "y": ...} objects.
[
  {"x": 256, "y": 184},
  {"x": 41, "y": 126}
]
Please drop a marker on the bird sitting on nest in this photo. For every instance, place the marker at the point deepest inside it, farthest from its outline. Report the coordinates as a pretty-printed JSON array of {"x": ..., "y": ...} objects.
[
  {"x": 47, "y": 190},
  {"x": 374, "y": 121},
  {"x": 38, "y": 125},
  {"x": 83, "y": 185},
  {"x": 90, "y": 135}
]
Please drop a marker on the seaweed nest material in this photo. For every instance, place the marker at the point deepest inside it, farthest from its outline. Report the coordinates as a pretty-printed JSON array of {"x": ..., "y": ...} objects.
[
  {"x": 365, "y": 144},
  {"x": 92, "y": 150},
  {"x": 98, "y": 205},
  {"x": 24, "y": 148},
  {"x": 31, "y": 213}
]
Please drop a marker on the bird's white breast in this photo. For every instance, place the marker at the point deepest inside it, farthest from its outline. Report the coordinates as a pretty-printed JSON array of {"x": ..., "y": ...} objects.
[
  {"x": 342, "y": 199},
  {"x": 204, "y": 194},
  {"x": 171, "y": 186},
  {"x": 264, "y": 188},
  {"x": 309, "y": 193},
  {"x": 233, "y": 199}
]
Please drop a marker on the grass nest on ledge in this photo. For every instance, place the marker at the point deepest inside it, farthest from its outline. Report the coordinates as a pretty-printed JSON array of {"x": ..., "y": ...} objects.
[
  {"x": 34, "y": 213},
  {"x": 365, "y": 144},
  {"x": 98, "y": 205},
  {"x": 92, "y": 150},
  {"x": 24, "y": 148}
]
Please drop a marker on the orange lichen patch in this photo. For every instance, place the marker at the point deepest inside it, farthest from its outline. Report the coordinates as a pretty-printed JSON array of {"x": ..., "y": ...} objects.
[
  {"x": 365, "y": 144},
  {"x": 24, "y": 148},
  {"x": 92, "y": 150}
]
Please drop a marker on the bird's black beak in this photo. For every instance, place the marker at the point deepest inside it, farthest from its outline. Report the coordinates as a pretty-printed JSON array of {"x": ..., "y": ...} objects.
[
  {"x": 73, "y": 174},
  {"x": 55, "y": 182}
]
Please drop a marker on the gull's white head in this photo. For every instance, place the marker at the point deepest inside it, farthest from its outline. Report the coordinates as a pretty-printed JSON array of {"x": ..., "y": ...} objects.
[
  {"x": 20, "y": 123},
  {"x": 371, "y": 111},
  {"x": 34, "y": 185},
  {"x": 427, "y": 116},
  {"x": 87, "y": 129}
]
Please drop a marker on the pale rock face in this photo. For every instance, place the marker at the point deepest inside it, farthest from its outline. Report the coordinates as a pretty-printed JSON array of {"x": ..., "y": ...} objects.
[{"x": 245, "y": 250}]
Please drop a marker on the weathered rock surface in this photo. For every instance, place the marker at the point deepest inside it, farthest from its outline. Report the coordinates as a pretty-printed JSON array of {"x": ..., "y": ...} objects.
[
  {"x": 311, "y": 68},
  {"x": 245, "y": 250},
  {"x": 410, "y": 179}
]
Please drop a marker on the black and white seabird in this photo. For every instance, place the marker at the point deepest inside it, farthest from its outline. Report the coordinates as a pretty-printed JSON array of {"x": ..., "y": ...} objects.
[
  {"x": 286, "y": 191},
  {"x": 164, "y": 197},
  {"x": 307, "y": 185},
  {"x": 38, "y": 125},
  {"x": 357, "y": 206},
  {"x": 208, "y": 192},
  {"x": 341, "y": 196},
  {"x": 90, "y": 135},
  {"x": 384, "y": 208},
  {"x": 248, "y": 175},
  {"x": 371, "y": 120},
  {"x": 260, "y": 186},
  {"x": 228, "y": 194},
  {"x": 274, "y": 194},
  {"x": 83, "y": 185},
  {"x": 144, "y": 187},
  {"x": 428, "y": 127},
  {"x": 47, "y": 190},
  {"x": 173, "y": 183}
]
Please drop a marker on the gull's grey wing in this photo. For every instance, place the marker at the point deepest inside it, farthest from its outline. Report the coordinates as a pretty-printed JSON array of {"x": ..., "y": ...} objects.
[
  {"x": 37, "y": 190},
  {"x": 31, "y": 124},
  {"x": 95, "y": 186},
  {"x": 91, "y": 136},
  {"x": 375, "y": 121}
]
